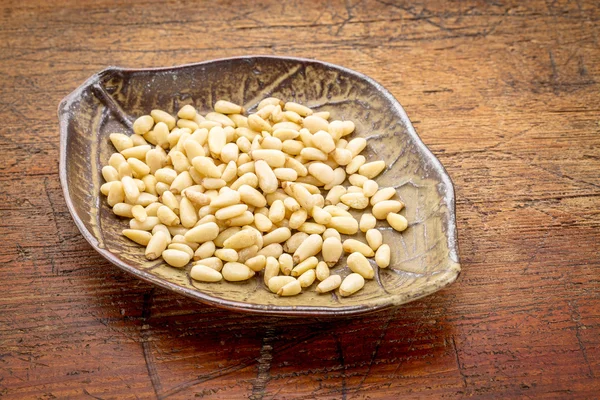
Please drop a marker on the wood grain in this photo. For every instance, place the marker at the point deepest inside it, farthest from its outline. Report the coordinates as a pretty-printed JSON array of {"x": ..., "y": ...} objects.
[{"x": 505, "y": 93}]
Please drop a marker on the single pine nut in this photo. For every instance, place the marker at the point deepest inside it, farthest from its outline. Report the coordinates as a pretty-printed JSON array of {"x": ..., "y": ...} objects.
[
  {"x": 383, "y": 208},
  {"x": 110, "y": 174},
  {"x": 370, "y": 187},
  {"x": 236, "y": 272},
  {"x": 351, "y": 284},
  {"x": 212, "y": 183},
  {"x": 227, "y": 198},
  {"x": 147, "y": 225},
  {"x": 307, "y": 278},
  {"x": 272, "y": 250},
  {"x": 205, "y": 250},
  {"x": 332, "y": 250},
  {"x": 181, "y": 182},
  {"x": 316, "y": 123},
  {"x": 397, "y": 221},
  {"x": 115, "y": 193},
  {"x": 329, "y": 284},
  {"x": 167, "y": 216},
  {"x": 184, "y": 123},
  {"x": 230, "y": 212},
  {"x": 312, "y": 154},
  {"x": 323, "y": 172},
  {"x": 301, "y": 110},
  {"x": 372, "y": 169},
  {"x": 226, "y": 107},
  {"x": 367, "y": 221},
  {"x": 323, "y": 141},
  {"x": 206, "y": 167},
  {"x": 292, "y": 147},
  {"x": 302, "y": 267},
  {"x": 211, "y": 262},
  {"x": 355, "y": 200},
  {"x": 241, "y": 220},
  {"x": 310, "y": 247},
  {"x": 291, "y": 204},
  {"x": 227, "y": 255},
  {"x": 161, "y": 116},
  {"x": 344, "y": 225},
  {"x": 249, "y": 179},
  {"x": 271, "y": 269},
  {"x": 339, "y": 176},
  {"x": 256, "y": 123},
  {"x": 333, "y": 197},
  {"x": 382, "y": 256},
  {"x": 145, "y": 199},
  {"x": 266, "y": 177},
  {"x": 312, "y": 228},
  {"x": 330, "y": 232},
  {"x": 358, "y": 263},
  {"x": 320, "y": 216},
  {"x": 181, "y": 247},
  {"x": 275, "y": 158},
  {"x": 143, "y": 124},
  {"x": 285, "y": 174},
  {"x": 355, "y": 164},
  {"x": 202, "y": 233},
  {"x": 123, "y": 210},
  {"x": 353, "y": 245},
  {"x": 262, "y": 222},
  {"x": 383, "y": 194},
  {"x": 139, "y": 213},
  {"x": 357, "y": 180},
  {"x": 247, "y": 253},
  {"x": 342, "y": 156},
  {"x": 278, "y": 235},
  {"x": 257, "y": 263},
  {"x": 374, "y": 238},
  {"x": 286, "y": 263},
  {"x": 322, "y": 271},
  {"x": 292, "y": 244},
  {"x": 357, "y": 145},
  {"x": 297, "y": 166},
  {"x": 197, "y": 198},
  {"x": 230, "y": 152},
  {"x": 240, "y": 239},
  {"x": 180, "y": 239},
  {"x": 156, "y": 245},
  {"x": 116, "y": 160},
  {"x": 284, "y": 134},
  {"x": 138, "y": 236},
  {"x": 176, "y": 258},
  {"x": 277, "y": 282},
  {"x": 203, "y": 273},
  {"x": 130, "y": 189},
  {"x": 222, "y": 119},
  {"x": 290, "y": 289}
]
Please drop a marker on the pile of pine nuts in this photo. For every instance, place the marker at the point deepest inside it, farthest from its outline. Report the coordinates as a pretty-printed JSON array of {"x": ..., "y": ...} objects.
[{"x": 242, "y": 194}]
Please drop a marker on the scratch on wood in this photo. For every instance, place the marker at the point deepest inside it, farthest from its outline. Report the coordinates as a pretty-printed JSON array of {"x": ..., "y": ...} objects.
[
  {"x": 263, "y": 375},
  {"x": 145, "y": 335},
  {"x": 458, "y": 364}
]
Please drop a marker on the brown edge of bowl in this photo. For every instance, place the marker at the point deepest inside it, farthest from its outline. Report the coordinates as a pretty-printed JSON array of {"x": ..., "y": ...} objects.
[{"x": 438, "y": 282}]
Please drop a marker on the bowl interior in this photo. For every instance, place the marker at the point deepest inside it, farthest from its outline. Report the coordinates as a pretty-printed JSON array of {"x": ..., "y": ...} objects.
[{"x": 424, "y": 257}]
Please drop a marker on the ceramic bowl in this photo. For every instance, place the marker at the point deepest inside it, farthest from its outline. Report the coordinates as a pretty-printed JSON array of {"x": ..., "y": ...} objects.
[{"x": 424, "y": 257}]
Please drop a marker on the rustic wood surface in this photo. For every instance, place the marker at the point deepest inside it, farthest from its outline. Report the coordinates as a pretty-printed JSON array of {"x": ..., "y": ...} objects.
[{"x": 505, "y": 93}]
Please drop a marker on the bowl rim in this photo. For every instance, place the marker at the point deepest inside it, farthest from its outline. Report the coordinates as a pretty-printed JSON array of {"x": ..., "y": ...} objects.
[{"x": 437, "y": 282}]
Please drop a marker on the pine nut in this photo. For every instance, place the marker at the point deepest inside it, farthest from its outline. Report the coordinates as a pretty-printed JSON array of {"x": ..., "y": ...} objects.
[
  {"x": 322, "y": 172},
  {"x": 278, "y": 235},
  {"x": 222, "y": 119},
  {"x": 138, "y": 236},
  {"x": 202, "y": 233},
  {"x": 286, "y": 263},
  {"x": 372, "y": 169},
  {"x": 356, "y": 145},
  {"x": 358, "y": 263},
  {"x": 333, "y": 197},
  {"x": 271, "y": 269},
  {"x": 323, "y": 141},
  {"x": 267, "y": 180},
  {"x": 382, "y": 256},
  {"x": 355, "y": 200},
  {"x": 355, "y": 164},
  {"x": 351, "y": 284},
  {"x": 241, "y": 220},
  {"x": 330, "y": 232},
  {"x": 227, "y": 255},
  {"x": 353, "y": 246},
  {"x": 305, "y": 265},
  {"x": 290, "y": 289},
  {"x": 143, "y": 124},
  {"x": 397, "y": 221},
  {"x": 329, "y": 284},
  {"x": 230, "y": 212},
  {"x": 332, "y": 250},
  {"x": 156, "y": 245},
  {"x": 272, "y": 250},
  {"x": 367, "y": 221},
  {"x": 301, "y": 110},
  {"x": 383, "y": 194},
  {"x": 310, "y": 247},
  {"x": 383, "y": 208},
  {"x": 257, "y": 263},
  {"x": 236, "y": 272},
  {"x": 181, "y": 247},
  {"x": 211, "y": 262},
  {"x": 292, "y": 244},
  {"x": 239, "y": 240},
  {"x": 262, "y": 222},
  {"x": 374, "y": 239},
  {"x": 344, "y": 225},
  {"x": 315, "y": 123},
  {"x": 203, "y": 273},
  {"x": 277, "y": 282},
  {"x": 205, "y": 250},
  {"x": 357, "y": 180},
  {"x": 226, "y": 107},
  {"x": 322, "y": 271},
  {"x": 307, "y": 278}
]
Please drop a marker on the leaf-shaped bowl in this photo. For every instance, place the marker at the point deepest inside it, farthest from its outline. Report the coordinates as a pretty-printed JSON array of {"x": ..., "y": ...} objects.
[{"x": 424, "y": 257}]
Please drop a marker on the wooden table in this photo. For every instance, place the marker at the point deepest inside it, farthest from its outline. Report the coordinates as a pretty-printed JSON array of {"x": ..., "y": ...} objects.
[{"x": 506, "y": 94}]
